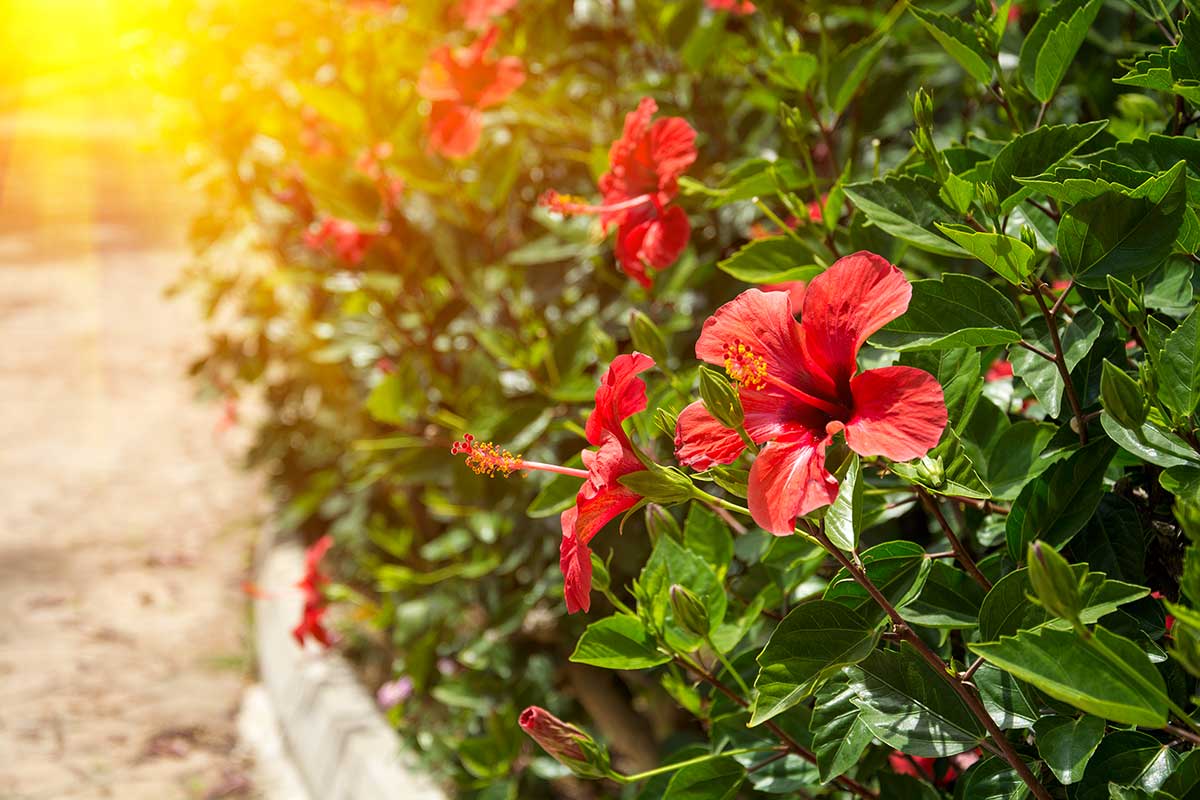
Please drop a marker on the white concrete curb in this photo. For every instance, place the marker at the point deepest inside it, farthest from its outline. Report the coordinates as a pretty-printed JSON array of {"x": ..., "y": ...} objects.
[{"x": 338, "y": 740}]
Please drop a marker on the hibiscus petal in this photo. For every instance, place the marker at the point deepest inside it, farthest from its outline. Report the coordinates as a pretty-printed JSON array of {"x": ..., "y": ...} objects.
[
  {"x": 763, "y": 322},
  {"x": 665, "y": 238},
  {"x": 454, "y": 129},
  {"x": 597, "y": 505},
  {"x": 788, "y": 480},
  {"x": 435, "y": 81},
  {"x": 899, "y": 413},
  {"x": 575, "y": 560},
  {"x": 845, "y": 304},
  {"x": 672, "y": 151},
  {"x": 630, "y": 237},
  {"x": 510, "y": 74},
  {"x": 621, "y": 393},
  {"x": 701, "y": 441}
]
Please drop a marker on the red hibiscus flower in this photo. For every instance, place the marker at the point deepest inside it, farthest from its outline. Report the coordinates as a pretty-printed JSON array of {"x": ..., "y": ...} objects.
[
  {"x": 738, "y": 7},
  {"x": 799, "y": 389},
  {"x": 602, "y": 497},
  {"x": 478, "y": 14},
  {"x": 926, "y": 768},
  {"x": 462, "y": 83},
  {"x": 311, "y": 625},
  {"x": 999, "y": 370},
  {"x": 347, "y": 241},
  {"x": 795, "y": 290},
  {"x": 642, "y": 180}
]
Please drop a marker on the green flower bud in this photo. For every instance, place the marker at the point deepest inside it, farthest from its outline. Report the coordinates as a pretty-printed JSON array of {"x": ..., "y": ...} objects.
[
  {"x": 720, "y": 398},
  {"x": 660, "y": 484},
  {"x": 923, "y": 109},
  {"x": 601, "y": 580},
  {"x": 1054, "y": 582},
  {"x": 989, "y": 202},
  {"x": 660, "y": 523},
  {"x": 1125, "y": 303},
  {"x": 665, "y": 421},
  {"x": 1122, "y": 397},
  {"x": 1029, "y": 237},
  {"x": 690, "y": 613},
  {"x": 931, "y": 471}
]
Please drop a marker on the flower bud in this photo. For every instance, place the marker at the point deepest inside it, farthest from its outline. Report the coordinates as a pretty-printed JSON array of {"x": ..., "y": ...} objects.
[
  {"x": 565, "y": 743},
  {"x": 660, "y": 484},
  {"x": 690, "y": 613},
  {"x": 665, "y": 421},
  {"x": 1122, "y": 397},
  {"x": 601, "y": 579},
  {"x": 1054, "y": 582},
  {"x": 1029, "y": 237},
  {"x": 660, "y": 523},
  {"x": 923, "y": 109},
  {"x": 1125, "y": 302},
  {"x": 720, "y": 399},
  {"x": 989, "y": 202},
  {"x": 931, "y": 471}
]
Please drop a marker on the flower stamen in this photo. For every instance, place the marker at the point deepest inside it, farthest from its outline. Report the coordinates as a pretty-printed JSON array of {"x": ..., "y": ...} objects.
[
  {"x": 744, "y": 366},
  {"x": 485, "y": 458}
]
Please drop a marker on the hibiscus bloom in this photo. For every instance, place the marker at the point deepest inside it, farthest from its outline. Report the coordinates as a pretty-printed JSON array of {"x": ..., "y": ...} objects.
[
  {"x": 642, "y": 180},
  {"x": 478, "y": 14},
  {"x": 798, "y": 387},
  {"x": 462, "y": 83},
  {"x": 311, "y": 625},
  {"x": 347, "y": 241},
  {"x": 602, "y": 497},
  {"x": 926, "y": 767},
  {"x": 795, "y": 290},
  {"x": 738, "y": 7},
  {"x": 1000, "y": 369}
]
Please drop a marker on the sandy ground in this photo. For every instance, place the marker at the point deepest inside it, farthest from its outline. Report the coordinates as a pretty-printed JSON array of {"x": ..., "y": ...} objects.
[{"x": 125, "y": 525}]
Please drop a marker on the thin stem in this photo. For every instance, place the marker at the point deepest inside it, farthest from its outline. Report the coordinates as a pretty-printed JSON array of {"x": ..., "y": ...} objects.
[
  {"x": 1041, "y": 115},
  {"x": 767, "y": 762},
  {"x": 971, "y": 670},
  {"x": 650, "y": 773},
  {"x": 847, "y": 783},
  {"x": 960, "y": 551},
  {"x": 1060, "y": 361},
  {"x": 783, "y": 226},
  {"x": 1182, "y": 733},
  {"x": 1035, "y": 349},
  {"x": 737, "y": 678},
  {"x": 1001, "y": 744}
]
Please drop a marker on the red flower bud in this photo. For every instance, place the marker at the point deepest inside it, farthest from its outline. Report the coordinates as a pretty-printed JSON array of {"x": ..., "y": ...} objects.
[{"x": 567, "y": 744}]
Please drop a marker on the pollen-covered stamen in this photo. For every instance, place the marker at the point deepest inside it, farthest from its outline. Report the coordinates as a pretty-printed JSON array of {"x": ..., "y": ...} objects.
[
  {"x": 485, "y": 458},
  {"x": 567, "y": 204},
  {"x": 744, "y": 366}
]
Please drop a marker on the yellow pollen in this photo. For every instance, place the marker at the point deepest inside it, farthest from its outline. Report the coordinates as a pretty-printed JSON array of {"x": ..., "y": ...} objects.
[
  {"x": 485, "y": 458},
  {"x": 744, "y": 366}
]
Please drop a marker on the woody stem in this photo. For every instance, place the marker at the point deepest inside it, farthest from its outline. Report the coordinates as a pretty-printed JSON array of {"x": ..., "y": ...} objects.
[
  {"x": 960, "y": 551},
  {"x": 1060, "y": 361},
  {"x": 1000, "y": 744}
]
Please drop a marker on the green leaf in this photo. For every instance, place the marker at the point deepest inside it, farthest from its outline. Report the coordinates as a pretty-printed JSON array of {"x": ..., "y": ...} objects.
[
  {"x": 793, "y": 70},
  {"x": 898, "y": 570},
  {"x": 849, "y": 69},
  {"x": 718, "y": 779},
  {"x": 1121, "y": 235},
  {"x": 555, "y": 497},
  {"x": 1057, "y": 504},
  {"x": 1016, "y": 458},
  {"x": 1041, "y": 376},
  {"x": 910, "y": 707},
  {"x": 1150, "y": 444},
  {"x": 1066, "y": 744},
  {"x": 960, "y": 374},
  {"x": 906, "y": 206},
  {"x": 773, "y": 260},
  {"x": 1051, "y": 44},
  {"x": 618, "y": 642},
  {"x": 957, "y": 311},
  {"x": 839, "y": 735},
  {"x": 843, "y": 520},
  {"x": 960, "y": 40},
  {"x": 1112, "y": 541},
  {"x": 816, "y": 639},
  {"x": 1008, "y": 701},
  {"x": 959, "y": 478},
  {"x": 707, "y": 535},
  {"x": 670, "y": 563},
  {"x": 1179, "y": 368},
  {"x": 990, "y": 778},
  {"x": 1125, "y": 758},
  {"x": 1031, "y": 154},
  {"x": 1113, "y": 679},
  {"x": 1007, "y": 607},
  {"x": 950, "y": 598},
  {"x": 1009, "y": 258},
  {"x": 1185, "y": 779}
]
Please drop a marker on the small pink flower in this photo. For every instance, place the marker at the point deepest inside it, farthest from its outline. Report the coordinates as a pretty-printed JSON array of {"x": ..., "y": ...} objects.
[{"x": 393, "y": 693}]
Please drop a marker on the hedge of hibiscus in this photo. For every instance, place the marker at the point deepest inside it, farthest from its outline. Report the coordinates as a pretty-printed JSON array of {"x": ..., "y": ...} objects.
[{"x": 714, "y": 399}]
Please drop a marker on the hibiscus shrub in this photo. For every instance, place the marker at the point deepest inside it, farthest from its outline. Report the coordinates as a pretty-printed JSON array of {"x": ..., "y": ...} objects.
[{"x": 849, "y": 353}]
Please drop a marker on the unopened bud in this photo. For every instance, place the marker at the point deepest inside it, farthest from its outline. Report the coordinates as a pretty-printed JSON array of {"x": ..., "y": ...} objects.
[
  {"x": 720, "y": 398},
  {"x": 660, "y": 484},
  {"x": 646, "y": 337},
  {"x": 665, "y": 421},
  {"x": 985, "y": 196},
  {"x": 931, "y": 471},
  {"x": 923, "y": 109},
  {"x": 660, "y": 523},
  {"x": 1054, "y": 582},
  {"x": 601, "y": 580},
  {"x": 1029, "y": 237},
  {"x": 565, "y": 743},
  {"x": 690, "y": 613}
]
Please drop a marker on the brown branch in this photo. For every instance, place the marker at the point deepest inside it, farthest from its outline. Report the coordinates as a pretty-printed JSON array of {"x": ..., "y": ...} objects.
[
  {"x": 1060, "y": 361},
  {"x": 960, "y": 551}
]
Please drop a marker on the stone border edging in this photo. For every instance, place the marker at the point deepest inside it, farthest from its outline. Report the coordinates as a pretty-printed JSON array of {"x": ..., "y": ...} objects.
[{"x": 339, "y": 741}]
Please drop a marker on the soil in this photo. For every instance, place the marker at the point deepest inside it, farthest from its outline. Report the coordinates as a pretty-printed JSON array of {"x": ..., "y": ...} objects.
[{"x": 125, "y": 523}]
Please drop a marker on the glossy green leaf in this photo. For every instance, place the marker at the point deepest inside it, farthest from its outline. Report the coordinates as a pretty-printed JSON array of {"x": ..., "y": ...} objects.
[
  {"x": 950, "y": 598},
  {"x": 1125, "y": 758},
  {"x": 839, "y": 735},
  {"x": 1111, "y": 678},
  {"x": 1057, "y": 504},
  {"x": 960, "y": 40},
  {"x": 618, "y": 642},
  {"x": 707, "y": 535},
  {"x": 1151, "y": 444},
  {"x": 906, "y": 206},
  {"x": 718, "y": 779},
  {"x": 1034, "y": 153},
  {"x": 1179, "y": 372},
  {"x": 814, "y": 640},
  {"x": 844, "y": 518},
  {"x": 1009, "y": 258},
  {"x": 1066, "y": 744},
  {"x": 957, "y": 311},
  {"x": 1078, "y": 337},
  {"x": 773, "y": 260},
  {"x": 990, "y": 778},
  {"x": 1012, "y": 704},
  {"x": 1050, "y": 46},
  {"x": 898, "y": 569}
]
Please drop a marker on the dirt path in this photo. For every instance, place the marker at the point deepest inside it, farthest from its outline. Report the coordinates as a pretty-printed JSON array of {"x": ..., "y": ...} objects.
[{"x": 125, "y": 529}]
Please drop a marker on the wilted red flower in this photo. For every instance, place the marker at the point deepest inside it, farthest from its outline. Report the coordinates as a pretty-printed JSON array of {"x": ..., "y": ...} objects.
[
  {"x": 642, "y": 180},
  {"x": 311, "y": 625},
  {"x": 602, "y": 497},
  {"x": 462, "y": 83},
  {"x": 738, "y": 7},
  {"x": 348, "y": 242},
  {"x": 478, "y": 14},
  {"x": 798, "y": 387}
]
